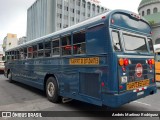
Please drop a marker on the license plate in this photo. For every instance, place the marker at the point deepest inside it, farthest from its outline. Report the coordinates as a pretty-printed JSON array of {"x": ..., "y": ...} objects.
[
  {"x": 137, "y": 84},
  {"x": 140, "y": 93}
]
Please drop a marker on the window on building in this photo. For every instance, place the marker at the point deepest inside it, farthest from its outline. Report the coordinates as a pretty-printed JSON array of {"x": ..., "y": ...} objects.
[
  {"x": 84, "y": 5},
  {"x": 35, "y": 51},
  {"x": 148, "y": 11},
  {"x": 48, "y": 49},
  {"x": 55, "y": 47},
  {"x": 155, "y": 10},
  {"x": 102, "y": 9},
  {"x": 72, "y": 19},
  {"x": 142, "y": 13},
  {"x": 78, "y": 12},
  {"x": 40, "y": 49},
  {"x": 93, "y": 7},
  {"x": 66, "y": 45},
  {"x": 78, "y": 2},
  {"x": 89, "y": 6},
  {"x": 98, "y": 9},
  {"x": 79, "y": 44},
  {"x": 59, "y": 6}
]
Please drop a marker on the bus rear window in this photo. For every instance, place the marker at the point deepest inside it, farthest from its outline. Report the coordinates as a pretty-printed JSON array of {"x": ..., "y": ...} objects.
[
  {"x": 134, "y": 43},
  {"x": 150, "y": 45},
  {"x": 116, "y": 42}
]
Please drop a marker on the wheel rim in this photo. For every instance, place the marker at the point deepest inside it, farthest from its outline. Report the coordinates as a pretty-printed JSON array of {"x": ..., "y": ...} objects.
[{"x": 51, "y": 89}]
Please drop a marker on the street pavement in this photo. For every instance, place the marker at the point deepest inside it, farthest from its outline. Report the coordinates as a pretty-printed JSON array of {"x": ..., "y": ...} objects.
[{"x": 19, "y": 97}]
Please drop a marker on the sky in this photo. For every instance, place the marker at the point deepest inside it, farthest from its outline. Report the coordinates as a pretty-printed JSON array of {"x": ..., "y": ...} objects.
[{"x": 13, "y": 14}]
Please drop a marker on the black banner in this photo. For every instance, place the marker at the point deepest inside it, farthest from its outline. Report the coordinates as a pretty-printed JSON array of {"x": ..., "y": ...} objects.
[{"x": 24, "y": 114}]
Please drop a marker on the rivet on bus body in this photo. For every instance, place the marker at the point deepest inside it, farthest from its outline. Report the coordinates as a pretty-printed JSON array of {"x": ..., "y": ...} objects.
[
  {"x": 102, "y": 84},
  {"x": 121, "y": 87}
]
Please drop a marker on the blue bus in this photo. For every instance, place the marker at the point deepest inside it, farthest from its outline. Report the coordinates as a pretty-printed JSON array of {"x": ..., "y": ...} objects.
[{"x": 105, "y": 60}]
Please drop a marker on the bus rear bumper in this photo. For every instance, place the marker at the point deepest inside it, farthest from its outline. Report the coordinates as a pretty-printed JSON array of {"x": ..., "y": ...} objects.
[{"x": 117, "y": 100}]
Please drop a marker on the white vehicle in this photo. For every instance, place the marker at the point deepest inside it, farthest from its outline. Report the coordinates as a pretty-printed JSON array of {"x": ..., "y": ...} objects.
[{"x": 1, "y": 63}]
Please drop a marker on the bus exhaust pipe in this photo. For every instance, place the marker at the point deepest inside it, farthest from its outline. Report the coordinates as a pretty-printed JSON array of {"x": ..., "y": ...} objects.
[{"x": 65, "y": 100}]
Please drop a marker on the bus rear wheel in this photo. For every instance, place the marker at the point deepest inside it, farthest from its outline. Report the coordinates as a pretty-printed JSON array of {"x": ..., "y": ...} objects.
[{"x": 52, "y": 90}]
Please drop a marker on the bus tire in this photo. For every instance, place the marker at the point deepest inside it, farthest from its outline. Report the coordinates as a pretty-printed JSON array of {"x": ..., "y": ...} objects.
[
  {"x": 52, "y": 90},
  {"x": 10, "y": 77}
]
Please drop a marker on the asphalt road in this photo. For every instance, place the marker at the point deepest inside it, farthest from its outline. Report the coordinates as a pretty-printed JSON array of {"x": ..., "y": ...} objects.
[{"x": 19, "y": 97}]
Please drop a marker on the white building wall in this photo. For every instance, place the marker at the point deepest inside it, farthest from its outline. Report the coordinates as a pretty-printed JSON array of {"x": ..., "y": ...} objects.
[
  {"x": 47, "y": 16},
  {"x": 151, "y": 7}
]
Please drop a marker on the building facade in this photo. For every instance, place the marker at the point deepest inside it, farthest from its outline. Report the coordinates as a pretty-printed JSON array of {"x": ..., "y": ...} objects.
[
  {"x": 10, "y": 41},
  {"x": 47, "y": 16},
  {"x": 150, "y": 10},
  {"x": 22, "y": 40}
]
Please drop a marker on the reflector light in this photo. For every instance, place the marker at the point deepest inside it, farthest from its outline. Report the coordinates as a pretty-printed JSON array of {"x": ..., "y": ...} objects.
[
  {"x": 152, "y": 80},
  {"x": 102, "y": 84},
  {"x": 121, "y": 87},
  {"x": 149, "y": 61},
  {"x": 121, "y": 62},
  {"x": 153, "y": 61},
  {"x": 112, "y": 21},
  {"x": 126, "y": 62},
  {"x": 103, "y": 17}
]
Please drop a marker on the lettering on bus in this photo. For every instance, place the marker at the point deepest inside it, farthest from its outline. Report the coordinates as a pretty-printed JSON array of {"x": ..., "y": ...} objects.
[{"x": 84, "y": 61}]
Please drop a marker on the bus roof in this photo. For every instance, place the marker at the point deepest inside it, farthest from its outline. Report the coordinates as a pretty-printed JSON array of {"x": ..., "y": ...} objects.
[{"x": 83, "y": 23}]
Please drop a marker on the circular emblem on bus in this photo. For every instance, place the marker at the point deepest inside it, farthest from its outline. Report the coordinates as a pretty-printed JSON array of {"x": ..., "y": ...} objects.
[{"x": 139, "y": 70}]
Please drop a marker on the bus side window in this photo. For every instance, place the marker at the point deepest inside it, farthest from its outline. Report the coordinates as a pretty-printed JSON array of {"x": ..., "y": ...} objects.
[
  {"x": 55, "y": 47},
  {"x": 12, "y": 54},
  {"x": 150, "y": 45},
  {"x": 17, "y": 54},
  {"x": 79, "y": 44},
  {"x": 25, "y": 53},
  {"x": 21, "y": 55},
  {"x": 30, "y": 52},
  {"x": 40, "y": 49},
  {"x": 34, "y": 51},
  {"x": 48, "y": 49},
  {"x": 116, "y": 41},
  {"x": 66, "y": 45}
]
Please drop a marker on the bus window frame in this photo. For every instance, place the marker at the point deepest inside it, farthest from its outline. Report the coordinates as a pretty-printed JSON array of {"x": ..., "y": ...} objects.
[
  {"x": 40, "y": 49},
  {"x": 45, "y": 41},
  {"x": 120, "y": 40},
  {"x": 31, "y": 46},
  {"x": 62, "y": 36},
  {"x": 136, "y": 35},
  {"x": 56, "y": 39},
  {"x": 72, "y": 43},
  {"x": 152, "y": 45}
]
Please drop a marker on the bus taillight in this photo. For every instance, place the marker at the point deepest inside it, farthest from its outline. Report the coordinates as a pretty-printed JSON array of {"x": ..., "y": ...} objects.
[
  {"x": 123, "y": 62},
  {"x": 126, "y": 62},
  {"x": 151, "y": 62}
]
